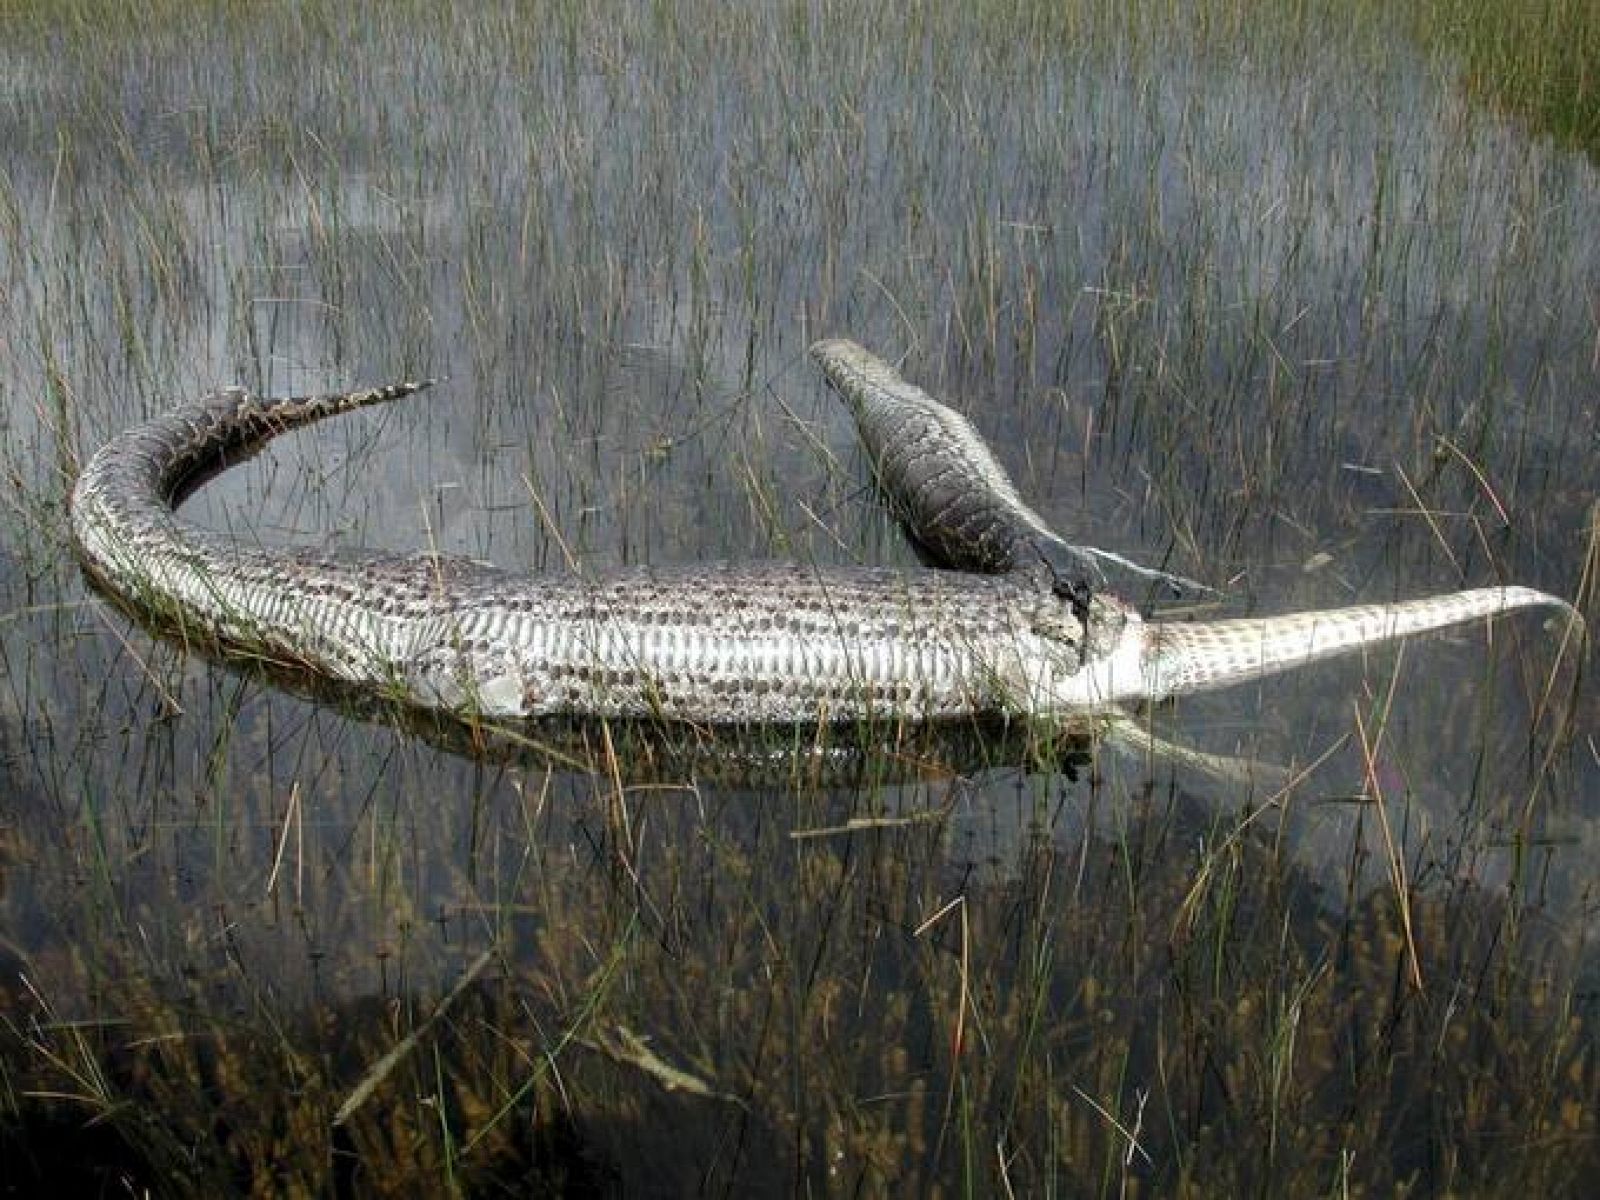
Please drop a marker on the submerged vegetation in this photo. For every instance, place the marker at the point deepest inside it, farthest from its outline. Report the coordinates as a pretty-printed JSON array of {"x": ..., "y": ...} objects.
[{"x": 1257, "y": 290}]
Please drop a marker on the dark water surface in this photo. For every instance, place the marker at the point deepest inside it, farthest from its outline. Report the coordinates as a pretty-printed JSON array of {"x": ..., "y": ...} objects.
[{"x": 1287, "y": 315}]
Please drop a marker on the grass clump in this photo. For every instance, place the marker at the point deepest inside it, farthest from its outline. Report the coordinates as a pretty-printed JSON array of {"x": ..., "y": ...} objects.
[
  {"x": 1538, "y": 59},
  {"x": 1096, "y": 1024}
]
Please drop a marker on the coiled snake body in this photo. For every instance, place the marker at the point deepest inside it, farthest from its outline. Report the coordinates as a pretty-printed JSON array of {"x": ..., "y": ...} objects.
[{"x": 730, "y": 643}]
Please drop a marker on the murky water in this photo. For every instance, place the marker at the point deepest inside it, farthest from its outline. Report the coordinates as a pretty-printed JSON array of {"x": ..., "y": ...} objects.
[{"x": 1317, "y": 336}]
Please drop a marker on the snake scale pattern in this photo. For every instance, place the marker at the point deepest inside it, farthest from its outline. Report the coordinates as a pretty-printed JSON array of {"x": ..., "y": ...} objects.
[{"x": 1021, "y": 628}]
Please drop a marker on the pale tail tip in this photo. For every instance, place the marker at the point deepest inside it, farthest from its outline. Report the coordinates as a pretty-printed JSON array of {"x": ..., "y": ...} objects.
[
  {"x": 826, "y": 349},
  {"x": 394, "y": 391},
  {"x": 356, "y": 398},
  {"x": 1574, "y": 619},
  {"x": 1521, "y": 597}
]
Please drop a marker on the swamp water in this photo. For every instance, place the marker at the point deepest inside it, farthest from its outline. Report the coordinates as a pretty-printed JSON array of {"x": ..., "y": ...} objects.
[{"x": 1280, "y": 309}]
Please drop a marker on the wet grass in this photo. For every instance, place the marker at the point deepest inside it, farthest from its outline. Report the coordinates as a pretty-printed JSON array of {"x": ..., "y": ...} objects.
[
  {"x": 875, "y": 1026},
  {"x": 1252, "y": 289},
  {"x": 1539, "y": 61}
]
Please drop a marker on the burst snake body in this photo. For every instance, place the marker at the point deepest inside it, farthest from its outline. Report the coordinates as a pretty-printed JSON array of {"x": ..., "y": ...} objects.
[{"x": 723, "y": 643}]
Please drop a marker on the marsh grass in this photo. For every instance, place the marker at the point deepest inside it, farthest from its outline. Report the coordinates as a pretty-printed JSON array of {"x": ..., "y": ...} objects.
[
  {"x": 1536, "y": 60},
  {"x": 1252, "y": 290}
]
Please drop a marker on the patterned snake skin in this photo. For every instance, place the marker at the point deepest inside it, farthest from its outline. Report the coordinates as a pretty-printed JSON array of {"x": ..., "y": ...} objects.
[{"x": 720, "y": 644}]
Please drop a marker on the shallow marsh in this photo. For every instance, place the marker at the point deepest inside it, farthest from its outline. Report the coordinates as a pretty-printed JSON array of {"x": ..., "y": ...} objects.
[{"x": 1255, "y": 291}]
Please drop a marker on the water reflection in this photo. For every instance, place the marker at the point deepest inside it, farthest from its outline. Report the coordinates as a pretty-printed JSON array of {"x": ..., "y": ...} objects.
[{"x": 1287, "y": 315}]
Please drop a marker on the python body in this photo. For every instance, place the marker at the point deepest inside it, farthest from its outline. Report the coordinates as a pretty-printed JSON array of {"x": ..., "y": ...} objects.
[{"x": 721, "y": 644}]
